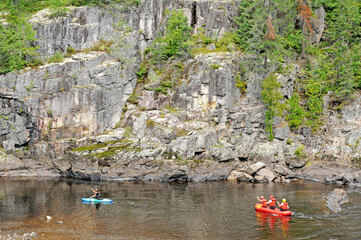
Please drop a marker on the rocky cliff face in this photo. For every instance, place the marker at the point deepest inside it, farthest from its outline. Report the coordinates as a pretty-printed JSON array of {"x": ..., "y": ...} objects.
[{"x": 87, "y": 117}]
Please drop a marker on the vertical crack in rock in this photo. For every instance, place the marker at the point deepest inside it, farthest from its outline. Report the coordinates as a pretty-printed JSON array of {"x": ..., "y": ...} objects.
[{"x": 194, "y": 14}]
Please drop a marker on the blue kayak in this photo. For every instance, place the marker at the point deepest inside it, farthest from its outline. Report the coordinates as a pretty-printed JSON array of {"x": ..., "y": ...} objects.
[{"x": 104, "y": 200}]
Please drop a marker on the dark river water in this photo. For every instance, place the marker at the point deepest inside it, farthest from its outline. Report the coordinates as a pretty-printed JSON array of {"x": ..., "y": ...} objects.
[{"x": 153, "y": 210}]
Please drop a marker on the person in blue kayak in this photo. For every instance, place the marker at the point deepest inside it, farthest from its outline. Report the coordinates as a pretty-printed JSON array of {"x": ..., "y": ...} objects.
[
  {"x": 96, "y": 194},
  {"x": 284, "y": 205}
]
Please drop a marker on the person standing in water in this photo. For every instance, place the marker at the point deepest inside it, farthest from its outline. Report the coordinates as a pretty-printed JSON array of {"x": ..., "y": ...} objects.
[{"x": 96, "y": 194}]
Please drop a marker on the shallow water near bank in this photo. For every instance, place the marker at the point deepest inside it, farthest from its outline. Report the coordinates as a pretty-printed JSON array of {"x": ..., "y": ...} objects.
[{"x": 154, "y": 210}]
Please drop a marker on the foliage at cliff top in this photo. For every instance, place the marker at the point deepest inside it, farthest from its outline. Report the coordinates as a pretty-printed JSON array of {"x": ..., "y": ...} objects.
[
  {"x": 16, "y": 36},
  {"x": 26, "y": 7},
  {"x": 282, "y": 32},
  {"x": 15, "y": 45}
]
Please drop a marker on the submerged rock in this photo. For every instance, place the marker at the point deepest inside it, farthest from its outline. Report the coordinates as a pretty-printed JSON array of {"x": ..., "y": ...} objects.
[{"x": 335, "y": 199}]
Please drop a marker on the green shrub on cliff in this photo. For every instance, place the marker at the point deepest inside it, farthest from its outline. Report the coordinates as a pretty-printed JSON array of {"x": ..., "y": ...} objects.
[
  {"x": 173, "y": 42},
  {"x": 32, "y": 6},
  {"x": 315, "y": 95},
  {"x": 141, "y": 72},
  {"x": 300, "y": 151},
  {"x": 15, "y": 45},
  {"x": 244, "y": 23},
  {"x": 57, "y": 57},
  {"x": 253, "y": 27},
  {"x": 296, "y": 113},
  {"x": 271, "y": 96},
  {"x": 241, "y": 84},
  {"x": 164, "y": 86}
]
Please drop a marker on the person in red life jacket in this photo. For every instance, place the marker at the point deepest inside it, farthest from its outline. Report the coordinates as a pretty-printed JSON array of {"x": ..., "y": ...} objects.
[
  {"x": 284, "y": 205},
  {"x": 272, "y": 202},
  {"x": 263, "y": 201}
]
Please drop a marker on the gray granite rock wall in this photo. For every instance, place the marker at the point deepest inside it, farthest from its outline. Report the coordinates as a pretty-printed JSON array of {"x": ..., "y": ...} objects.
[{"x": 205, "y": 128}]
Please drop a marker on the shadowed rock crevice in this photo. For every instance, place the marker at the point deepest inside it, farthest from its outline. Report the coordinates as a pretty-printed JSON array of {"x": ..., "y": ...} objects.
[{"x": 194, "y": 14}]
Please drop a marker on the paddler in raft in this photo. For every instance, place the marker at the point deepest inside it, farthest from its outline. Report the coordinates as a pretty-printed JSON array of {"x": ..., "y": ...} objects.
[
  {"x": 284, "y": 205},
  {"x": 263, "y": 201},
  {"x": 272, "y": 202},
  {"x": 96, "y": 194}
]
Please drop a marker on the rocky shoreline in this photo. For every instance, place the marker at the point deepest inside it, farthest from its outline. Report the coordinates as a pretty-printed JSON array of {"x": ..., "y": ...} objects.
[{"x": 173, "y": 170}]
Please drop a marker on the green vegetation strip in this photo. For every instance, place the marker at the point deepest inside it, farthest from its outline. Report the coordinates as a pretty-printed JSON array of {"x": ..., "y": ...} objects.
[{"x": 112, "y": 148}]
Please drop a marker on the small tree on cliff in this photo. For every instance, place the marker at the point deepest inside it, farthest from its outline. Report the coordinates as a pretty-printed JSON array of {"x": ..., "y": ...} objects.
[
  {"x": 244, "y": 22},
  {"x": 271, "y": 96},
  {"x": 269, "y": 38},
  {"x": 15, "y": 45},
  {"x": 343, "y": 38},
  {"x": 305, "y": 15},
  {"x": 173, "y": 42}
]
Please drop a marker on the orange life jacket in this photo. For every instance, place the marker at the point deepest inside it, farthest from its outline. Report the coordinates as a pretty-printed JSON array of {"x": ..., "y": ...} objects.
[
  {"x": 284, "y": 206},
  {"x": 264, "y": 203},
  {"x": 273, "y": 203}
]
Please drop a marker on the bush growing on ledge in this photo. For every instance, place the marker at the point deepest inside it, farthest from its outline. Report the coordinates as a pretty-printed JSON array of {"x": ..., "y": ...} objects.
[
  {"x": 59, "y": 12},
  {"x": 35, "y": 62},
  {"x": 15, "y": 45},
  {"x": 173, "y": 43},
  {"x": 102, "y": 45},
  {"x": 141, "y": 72},
  {"x": 164, "y": 86},
  {"x": 300, "y": 151},
  {"x": 57, "y": 57},
  {"x": 242, "y": 85},
  {"x": 296, "y": 113},
  {"x": 271, "y": 96},
  {"x": 70, "y": 51},
  {"x": 133, "y": 98},
  {"x": 199, "y": 42}
]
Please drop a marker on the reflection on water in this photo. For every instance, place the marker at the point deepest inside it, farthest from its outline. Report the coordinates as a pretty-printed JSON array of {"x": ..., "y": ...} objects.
[
  {"x": 273, "y": 225},
  {"x": 97, "y": 205},
  {"x": 148, "y": 210}
]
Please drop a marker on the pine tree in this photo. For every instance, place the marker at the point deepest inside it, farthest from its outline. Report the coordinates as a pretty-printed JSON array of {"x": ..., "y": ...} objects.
[
  {"x": 15, "y": 45},
  {"x": 258, "y": 27},
  {"x": 244, "y": 22},
  {"x": 269, "y": 37},
  {"x": 271, "y": 96},
  {"x": 174, "y": 40},
  {"x": 305, "y": 15},
  {"x": 343, "y": 37}
]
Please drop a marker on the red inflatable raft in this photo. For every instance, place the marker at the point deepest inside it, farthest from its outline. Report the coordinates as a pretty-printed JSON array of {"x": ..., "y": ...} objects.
[{"x": 274, "y": 211}]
